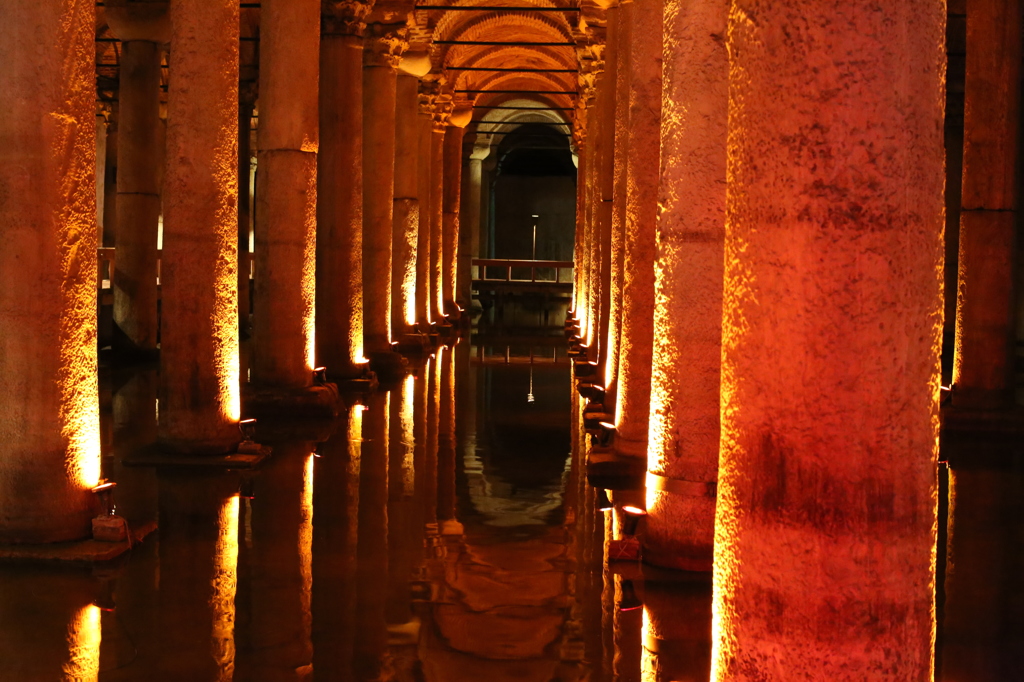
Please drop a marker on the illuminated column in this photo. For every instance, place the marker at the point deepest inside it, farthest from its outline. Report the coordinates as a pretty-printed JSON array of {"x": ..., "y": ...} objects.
[
  {"x": 108, "y": 224},
  {"x": 632, "y": 403},
  {"x": 139, "y": 156},
  {"x": 372, "y": 567},
  {"x": 406, "y": 228},
  {"x": 452, "y": 163},
  {"x": 425, "y": 134},
  {"x": 199, "y": 402},
  {"x": 579, "y": 251},
  {"x": 383, "y": 48},
  {"x": 440, "y": 114},
  {"x": 198, "y": 552},
  {"x": 49, "y": 407},
  {"x": 831, "y": 336},
  {"x": 446, "y": 439},
  {"x": 676, "y": 633},
  {"x": 983, "y": 368},
  {"x": 283, "y": 327},
  {"x": 335, "y": 541},
  {"x": 339, "y": 244},
  {"x": 682, "y": 457},
  {"x": 405, "y": 537},
  {"x": 469, "y": 221},
  {"x": 605, "y": 190},
  {"x": 617, "y": 236},
  {"x": 279, "y": 533}
]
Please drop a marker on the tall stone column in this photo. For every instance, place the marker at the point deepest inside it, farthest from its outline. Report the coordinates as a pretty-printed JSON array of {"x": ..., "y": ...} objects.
[
  {"x": 831, "y": 336},
  {"x": 339, "y": 244},
  {"x": 423, "y": 183},
  {"x": 450, "y": 220},
  {"x": 440, "y": 114},
  {"x": 383, "y": 48},
  {"x": 469, "y": 221},
  {"x": 632, "y": 405},
  {"x": 102, "y": 112},
  {"x": 985, "y": 334},
  {"x": 199, "y": 405},
  {"x": 49, "y": 405},
  {"x": 139, "y": 156},
  {"x": 617, "y": 239},
  {"x": 682, "y": 458},
  {"x": 579, "y": 251},
  {"x": 605, "y": 190},
  {"x": 283, "y": 327},
  {"x": 246, "y": 283},
  {"x": 406, "y": 228},
  {"x": 108, "y": 224}
]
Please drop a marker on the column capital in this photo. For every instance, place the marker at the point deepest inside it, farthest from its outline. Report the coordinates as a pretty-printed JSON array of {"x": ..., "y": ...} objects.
[
  {"x": 436, "y": 102},
  {"x": 384, "y": 44},
  {"x": 344, "y": 17}
]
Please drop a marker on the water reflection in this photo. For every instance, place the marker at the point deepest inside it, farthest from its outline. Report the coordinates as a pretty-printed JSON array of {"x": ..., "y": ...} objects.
[{"x": 443, "y": 531}]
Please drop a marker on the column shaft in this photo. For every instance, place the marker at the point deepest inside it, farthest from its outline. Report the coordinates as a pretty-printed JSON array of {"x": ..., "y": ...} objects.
[
  {"x": 470, "y": 221},
  {"x": 831, "y": 336},
  {"x": 450, "y": 225},
  {"x": 199, "y": 404},
  {"x": 425, "y": 134},
  {"x": 983, "y": 369},
  {"x": 339, "y": 282},
  {"x": 605, "y": 188},
  {"x": 632, "y": 405},
  {"x": 406, "y": 226},
  {"x": 283, "y": 327},
  {"x": 138, "y": 188},
  {"x": 49, "y": 408},
  {"x": 246, "y": 105},
  {"x": 437, "y": 222}
]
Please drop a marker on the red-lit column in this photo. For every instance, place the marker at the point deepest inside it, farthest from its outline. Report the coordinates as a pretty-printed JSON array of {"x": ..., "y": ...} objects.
[
  {"x": 246, "y": 108},
  {"x": 425, "y": 134},
  {"x": 452, "y": 190},
  {"x": 441, "y": 110},
  {"x": 831, "y": 336},
  {"x": 139, "y": 157},
  {"x": 605, "y": 190},
  {"x": 339, "y": 243},
  {"x": 617, "y": 236},
  {"x": 48, "y": 237},
  {"x": 632, "y": 403},
  {"x": 985, "y": 334},
  {"x": 382, "y": 51},
  {"x": 283, "y": 326},
  {"x": 682, "y": 457},
  {"x": 580, "y": 235},
  {"x": 406, "y": 227},
  {"x": 199, "y": 405}
]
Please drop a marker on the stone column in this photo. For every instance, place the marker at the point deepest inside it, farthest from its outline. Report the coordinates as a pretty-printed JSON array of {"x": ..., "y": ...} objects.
[
  {"x": 406, "y": 228},
  {"x": 469, "y": 222},
  {"x": 423, "y": 183},
  {"x": 604, "y": 190},
  {"x": 440, "y": 115},
  {"x": 48, "y": 389},
  {"x": 580, "y": 247},
  {"x": 283, "y": 327},
  {"x": 617, "y": 238},
  {"x": 985, "y": 333},
  {"x": 383, "y": 48},
  {"x": 339, "y": 280},
  {"x": 108, "y": 226},
  {"x": 246, "y": 107},
  {"x": 139, "y": 156},
  {"x": 103, "y": 110},
  {"x": 199, "y": 402},
  {"x": 831, "y": 335},
  {"x": 450, "y": 225},
  {"x": 682, "y": 458},
  {"x": 632, "y": 405}
]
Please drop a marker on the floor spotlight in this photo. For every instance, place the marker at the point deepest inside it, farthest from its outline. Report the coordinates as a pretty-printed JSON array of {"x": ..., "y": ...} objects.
[
  {"x": 248, "y": 428},
  {"x": 629, "y": 601},
  {"x": 320, "y": 376},
  {"x": 631, "y": 519}
]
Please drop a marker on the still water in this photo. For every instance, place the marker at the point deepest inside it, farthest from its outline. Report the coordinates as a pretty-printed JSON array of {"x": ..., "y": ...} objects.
[{"x": 441, "y": 529}]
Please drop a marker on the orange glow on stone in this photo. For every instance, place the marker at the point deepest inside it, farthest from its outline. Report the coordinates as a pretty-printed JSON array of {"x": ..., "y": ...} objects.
[{"x": 84, "y": 637}]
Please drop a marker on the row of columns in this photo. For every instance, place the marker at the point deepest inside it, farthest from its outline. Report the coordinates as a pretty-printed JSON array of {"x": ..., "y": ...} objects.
[
  {"x": 763, "y": 309},
  {"x": 340, "y": 274}
]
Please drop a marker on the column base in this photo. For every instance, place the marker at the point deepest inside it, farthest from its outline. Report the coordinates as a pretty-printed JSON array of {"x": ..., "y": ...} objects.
[
  {"x": 304, "y": 402},
  {"x": 680, "y": 528},
  {"x": 608, "y": 470},
  {"x": 76, "y": 552},
  {"x": 413, "y": 343},
  {"x": 242, "y": 455},
  {"x": 387, "y": 365},
  {"x": 630, "y": 448}
]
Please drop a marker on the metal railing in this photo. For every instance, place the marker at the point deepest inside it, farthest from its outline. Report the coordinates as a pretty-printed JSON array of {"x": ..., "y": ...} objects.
[{"x": 501, "y": 270}]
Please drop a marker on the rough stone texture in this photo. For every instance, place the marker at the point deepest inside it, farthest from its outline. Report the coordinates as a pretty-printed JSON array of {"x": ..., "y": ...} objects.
[
  {"x": 283, "y": 327},
  {"x": 684, "y": 407},
  {"x": 425, "y": 167},
  {"x": 49, "y": 406},
  {"x": 140, "y": 154},
  {"x": 450, "y": 226},
  {"x": 641, "y": 214},
  {"x": 826, "y": 520},
  {"x": 983, "y": 369},
  {"x": 580, "y": 251},
  {"x": 436, "y": 222},
  {"x": 604, "y": 191},
  {"x": 406, "y": 225},
  {"x": 618, "y": 226},
  {"x": 199, "y": 398},
  {"x": 379, "y": 98},
  {"x": 339, "y": 282}
]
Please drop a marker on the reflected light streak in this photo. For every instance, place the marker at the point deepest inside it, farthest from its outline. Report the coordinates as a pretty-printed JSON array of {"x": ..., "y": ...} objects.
[
  {"x": 225, "y": 582},
  {"x": 648, "y": 660},
  {"x": 409, "y": 267},
  {"x": 308, "y": 285},
  {"x": 84, "y": 637},
  {"x": 408, "y": 434},
  {"x": 306, "y": 543}
]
